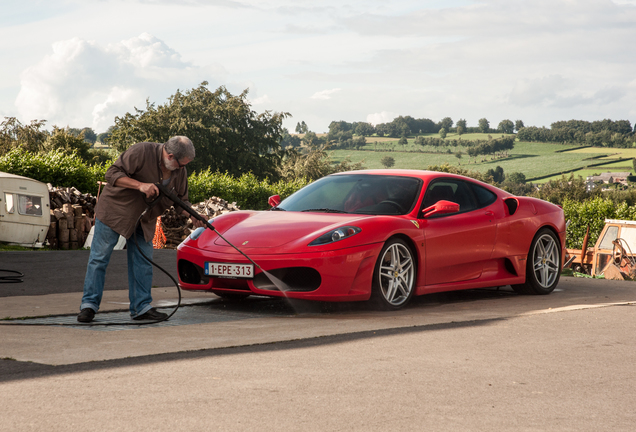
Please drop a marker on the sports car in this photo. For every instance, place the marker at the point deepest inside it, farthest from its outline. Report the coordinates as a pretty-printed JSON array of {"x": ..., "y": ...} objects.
[{"x": 380, "y": 235}]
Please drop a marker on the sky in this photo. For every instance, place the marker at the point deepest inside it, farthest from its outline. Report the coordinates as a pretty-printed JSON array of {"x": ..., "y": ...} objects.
[{"x": 81, "y": 63}]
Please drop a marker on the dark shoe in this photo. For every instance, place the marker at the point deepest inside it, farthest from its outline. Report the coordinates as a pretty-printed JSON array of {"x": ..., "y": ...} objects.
[
  {"x": 152, "y": 315},
  {"x": 86, "y": 315}
]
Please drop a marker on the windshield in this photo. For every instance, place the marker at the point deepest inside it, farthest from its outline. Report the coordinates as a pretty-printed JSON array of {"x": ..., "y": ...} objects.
[{"x": 356, "y": 193}]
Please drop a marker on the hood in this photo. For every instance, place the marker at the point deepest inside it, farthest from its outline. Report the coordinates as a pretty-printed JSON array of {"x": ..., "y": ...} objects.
[{"x": 273, "y": 229}]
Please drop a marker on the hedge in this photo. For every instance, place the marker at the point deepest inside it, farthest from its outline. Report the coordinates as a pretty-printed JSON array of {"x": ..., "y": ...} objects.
[
  {"x": 592, "y": 212},
  {"x": 56, "y": 167},
  {"x": 247, "y": 191}
]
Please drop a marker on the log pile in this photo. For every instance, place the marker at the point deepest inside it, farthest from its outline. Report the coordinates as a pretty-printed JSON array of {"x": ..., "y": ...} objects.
[
  {"x": 72, "y": 214},
  {"x": 177, "y": 227}
]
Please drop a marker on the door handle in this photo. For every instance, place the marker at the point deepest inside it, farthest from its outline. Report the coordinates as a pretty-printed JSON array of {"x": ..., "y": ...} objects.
[{"x": 490, "y": 213}]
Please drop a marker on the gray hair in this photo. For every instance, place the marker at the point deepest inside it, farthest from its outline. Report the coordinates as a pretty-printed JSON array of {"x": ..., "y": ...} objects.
[{"x": 180, "y": 147}]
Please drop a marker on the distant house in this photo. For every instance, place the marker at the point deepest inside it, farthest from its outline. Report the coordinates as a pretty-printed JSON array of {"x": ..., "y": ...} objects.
[{"x": 610, "y": 177}]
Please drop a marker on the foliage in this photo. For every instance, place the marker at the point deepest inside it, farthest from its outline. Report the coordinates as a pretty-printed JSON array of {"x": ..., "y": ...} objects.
[
  {"x": 86, "y": 133},
  {"x": 387, "y": 161},
  {"x": 461, "y": 171},
  {"x": 446, "y": 123},
  {"x": 55, "y": 167},
  {"x": 602, "y": 133},
  {"x": 497, "y": 174},
  {"x": 506, "y": 126},
  {"x": 228, "y": 136},
  {"x": 288, "y": 140},
  {"x": 247, "y": 191},
  {"x": 364, "y": 129},
  {"x": 571, "y": 188},
  {"x": 484, "y": 125},
  {"x": 302, "y": 127},
  {"x": 66, "y": 141},
  {"x": 312, "y": 163},
  {"x": 14, "y": 134},
  {"x": 592, "y": 212}
]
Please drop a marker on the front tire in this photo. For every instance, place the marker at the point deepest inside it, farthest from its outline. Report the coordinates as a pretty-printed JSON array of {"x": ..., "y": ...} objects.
[
  {"x": 394, "y": 276},
  {"x": 543, "y": 268}
]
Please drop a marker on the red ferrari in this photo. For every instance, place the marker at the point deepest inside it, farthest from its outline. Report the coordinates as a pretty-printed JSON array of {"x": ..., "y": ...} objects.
[{"x": 384, "y": 235}]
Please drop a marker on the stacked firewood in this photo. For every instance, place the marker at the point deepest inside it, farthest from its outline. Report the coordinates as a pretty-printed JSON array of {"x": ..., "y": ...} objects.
[
  {"x": 177, "y": 227},
  {"x": 72, "y": 214}
]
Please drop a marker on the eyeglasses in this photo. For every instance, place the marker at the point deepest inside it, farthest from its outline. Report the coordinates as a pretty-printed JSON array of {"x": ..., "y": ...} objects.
[{"x": 178, "y": 163}]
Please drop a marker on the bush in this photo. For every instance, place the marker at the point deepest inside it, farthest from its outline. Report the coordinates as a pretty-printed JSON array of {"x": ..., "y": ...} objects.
[
  {"x": 56, "y": 167},
  {"x": 247, "y": 191},
  {"x": 592, "y": 212}
]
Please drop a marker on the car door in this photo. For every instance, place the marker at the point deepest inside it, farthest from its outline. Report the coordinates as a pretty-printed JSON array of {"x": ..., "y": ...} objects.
[{"x": 458, "y": 244}]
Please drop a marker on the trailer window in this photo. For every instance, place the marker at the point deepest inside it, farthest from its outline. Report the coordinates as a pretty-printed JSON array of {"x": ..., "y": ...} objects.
[
  {"x": 29, "y": 205},
  {"x": 609, "y": 237},
  {"x": 629, "y": 235},
  {"x": 8, "y": 202}
]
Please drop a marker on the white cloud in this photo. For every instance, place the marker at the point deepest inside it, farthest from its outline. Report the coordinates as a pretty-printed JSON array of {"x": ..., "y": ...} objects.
[
  {"x": 260, "y": 100},
  {"x": 325, "y": 94},
  {"x": 381, "y": 117},
  {"x": 82, "y": 83}
]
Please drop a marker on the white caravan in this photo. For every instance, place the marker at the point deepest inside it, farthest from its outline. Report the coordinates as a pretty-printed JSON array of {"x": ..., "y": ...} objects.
[{"x": 24, "y": 210}]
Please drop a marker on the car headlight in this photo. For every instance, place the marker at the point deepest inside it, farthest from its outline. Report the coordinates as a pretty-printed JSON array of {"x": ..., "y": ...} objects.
[
  {"x": 335, "y": 235},
  {"x": 197, "y": 232}
]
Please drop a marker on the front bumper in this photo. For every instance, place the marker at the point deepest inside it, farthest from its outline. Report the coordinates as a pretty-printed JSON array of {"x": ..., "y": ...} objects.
[{"x": 340, "y": 275}]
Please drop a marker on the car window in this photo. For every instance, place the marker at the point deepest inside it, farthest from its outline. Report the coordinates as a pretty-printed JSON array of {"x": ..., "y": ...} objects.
[
  {"x": 483, "y": 195},
  {"x": 357, "y": 193},
  {"x": 452, "y": 190}
]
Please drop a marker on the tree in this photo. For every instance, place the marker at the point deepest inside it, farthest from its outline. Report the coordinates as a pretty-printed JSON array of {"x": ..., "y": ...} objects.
[
  {"x": 387, "y": 161},
  {"x": 484, "y": 125},
  {"x": 227, "y": 135},
  {"x": 446, "y": 123},
  {"x": 442, "y": 133},
  {"x": 301, "y": 127},
  {"x": 461, "y": 126},
  {"x": 516, "y": 178},
  {"x": 69, "y": 143},
  {"x": 518, "y": 125},
  {"x": 29, "y": 137},
  {"x": 497, "y": 174},
  {"x": 506, "y": 126},
  {"x": 89, "y": 135},
  {"x": 364, "y": 129},
  {"x": 403, "y": 141}
]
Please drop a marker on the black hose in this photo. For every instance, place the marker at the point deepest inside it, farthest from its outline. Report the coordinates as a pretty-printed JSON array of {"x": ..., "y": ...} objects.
[{"x": 92, "y": 324}]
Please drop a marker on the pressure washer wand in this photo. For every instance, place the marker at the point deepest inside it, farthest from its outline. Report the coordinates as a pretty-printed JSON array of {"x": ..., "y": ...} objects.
[
  {"x": 175, "y": 199},
  {"x": 282, "y": 286}
]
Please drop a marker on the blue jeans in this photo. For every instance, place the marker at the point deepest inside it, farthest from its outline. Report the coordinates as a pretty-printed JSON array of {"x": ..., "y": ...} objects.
[{"x": 139, "y": 269}]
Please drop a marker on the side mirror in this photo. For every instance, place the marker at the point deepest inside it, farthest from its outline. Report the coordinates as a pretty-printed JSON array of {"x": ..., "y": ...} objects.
[
  {"x": 274, "y": 200},
  {"x": 441, "y": 207}
]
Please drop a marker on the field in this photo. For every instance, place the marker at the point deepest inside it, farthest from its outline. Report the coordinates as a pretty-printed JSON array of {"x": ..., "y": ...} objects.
[{"x": 537, "y": 161}]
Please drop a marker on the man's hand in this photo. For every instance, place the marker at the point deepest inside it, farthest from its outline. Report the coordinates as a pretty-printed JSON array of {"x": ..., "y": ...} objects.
[
  {"x": 149, "y": 189},
  {"x": 196, "y": 222}
]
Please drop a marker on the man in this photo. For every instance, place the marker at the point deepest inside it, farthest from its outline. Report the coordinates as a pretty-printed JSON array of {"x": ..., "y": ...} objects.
[{"x": 131, "y": 186}]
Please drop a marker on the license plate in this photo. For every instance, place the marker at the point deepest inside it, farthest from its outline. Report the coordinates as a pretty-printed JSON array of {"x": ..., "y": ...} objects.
[{"x": 229, "y": 270}]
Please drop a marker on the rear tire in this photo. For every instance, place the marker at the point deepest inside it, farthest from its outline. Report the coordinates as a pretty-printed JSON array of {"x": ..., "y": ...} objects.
[
  {"x": 394, "y": 276},
  {"x": 543, "y": 268}
]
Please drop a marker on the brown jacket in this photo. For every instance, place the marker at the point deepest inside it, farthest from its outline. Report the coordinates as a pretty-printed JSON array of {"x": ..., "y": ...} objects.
[{"x": 119, "y": 208}]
